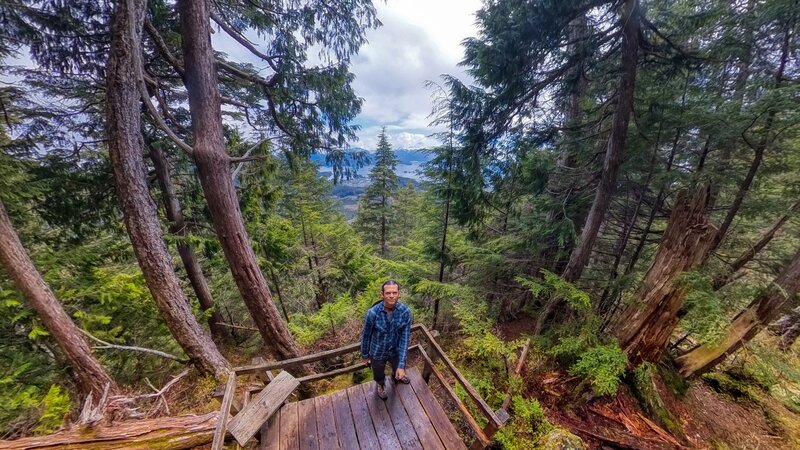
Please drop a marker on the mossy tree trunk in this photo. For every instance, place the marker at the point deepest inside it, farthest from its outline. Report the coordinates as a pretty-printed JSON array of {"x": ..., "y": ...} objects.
[
  {"x": 644, "y": 327},
  {"x": 213, "y": 165},
  {"x": 748, "y": 323},
  {"x": 91, "y": 375},
  {"x": 126, "y": 150}
]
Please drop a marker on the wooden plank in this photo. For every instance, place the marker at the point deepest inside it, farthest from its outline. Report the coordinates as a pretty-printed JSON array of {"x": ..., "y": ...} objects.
[
  {"x": 441, "y": 422},
  {"x": 286, "y": 363},
  {"x": 326, "y": 423},
  {"x": 307, "y": 421},
  {"x": 258, "y": 411},
  {"x": 380, "y": 418},
  {"x": 402, "y": 424},
  {"x": 365, "y": 430},
  {"x": 289, "y": 438},
  {"x": 245, "y": 400},
  {"x": 422, "y": 425},
  {"x": 271, "y": 433},
  {"x": 224, "y": 412},
  {"x": 345, "y": 427}
]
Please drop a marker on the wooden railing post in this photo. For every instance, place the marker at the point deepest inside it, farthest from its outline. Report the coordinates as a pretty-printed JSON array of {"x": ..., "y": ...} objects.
[{"x": 434, "y": 356}]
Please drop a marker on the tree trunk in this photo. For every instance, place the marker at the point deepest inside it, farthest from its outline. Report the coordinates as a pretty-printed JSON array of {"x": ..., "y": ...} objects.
[
  {"x": 790, "y": 330},
  {"x": 177, "y": 226},
  {"x": 163, "y": 433},
  {"x": 722, "y": 279},
  {"x": 141, "y": 220},
  {"x": 278, "y": 292},
  {"x": 91, "y": 376},
  {"x": 762, "y": 310},
  {"x": 214, "y": 172},
  {"x": 644, "y": 327},
  {"x": 616, "y": 143},
  {"x": 759, "y": 149},
  {"x": 610, "y": 293},
  {"x": 579, "y": 257},
  {"x": 568, "y": 154}
]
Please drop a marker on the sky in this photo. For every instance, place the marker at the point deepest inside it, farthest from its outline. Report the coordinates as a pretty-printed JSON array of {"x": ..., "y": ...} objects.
[{"x": 420, "y": 40}]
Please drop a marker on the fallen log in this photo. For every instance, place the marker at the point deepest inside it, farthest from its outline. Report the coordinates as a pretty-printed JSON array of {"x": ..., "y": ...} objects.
[{"x": 164, "y": 433}]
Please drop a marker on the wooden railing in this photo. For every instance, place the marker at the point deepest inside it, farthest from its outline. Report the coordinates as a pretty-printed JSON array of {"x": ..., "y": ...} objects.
[{"x": 430, "y": 353}]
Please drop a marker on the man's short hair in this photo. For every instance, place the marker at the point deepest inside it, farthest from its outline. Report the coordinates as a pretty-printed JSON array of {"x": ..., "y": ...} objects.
[{"x": 390, "y": 283}]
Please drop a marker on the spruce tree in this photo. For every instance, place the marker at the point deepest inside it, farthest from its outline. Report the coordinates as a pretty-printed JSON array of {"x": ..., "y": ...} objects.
[{"x": 375, "y": 215}]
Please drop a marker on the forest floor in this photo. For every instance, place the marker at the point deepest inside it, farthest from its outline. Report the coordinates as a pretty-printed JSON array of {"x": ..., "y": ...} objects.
[{"x": 705, "y": 418}]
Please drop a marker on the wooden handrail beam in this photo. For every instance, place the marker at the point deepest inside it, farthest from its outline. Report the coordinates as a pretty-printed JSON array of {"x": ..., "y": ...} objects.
[
  {"x": 244, "y": 370},
  {"x": 485, "y": 409},
  {"x": 479, "y": 433}
]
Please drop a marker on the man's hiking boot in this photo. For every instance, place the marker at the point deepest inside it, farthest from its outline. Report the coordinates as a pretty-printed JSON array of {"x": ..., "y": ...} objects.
[{"x": 382, "y": 392}]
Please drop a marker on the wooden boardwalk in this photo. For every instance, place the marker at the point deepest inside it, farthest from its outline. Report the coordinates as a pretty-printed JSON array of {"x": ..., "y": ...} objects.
[{"x": 355, "y": 418}]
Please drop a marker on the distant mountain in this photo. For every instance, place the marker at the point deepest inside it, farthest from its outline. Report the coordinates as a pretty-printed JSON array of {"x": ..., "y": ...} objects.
[{"x": 404, "y": 156}]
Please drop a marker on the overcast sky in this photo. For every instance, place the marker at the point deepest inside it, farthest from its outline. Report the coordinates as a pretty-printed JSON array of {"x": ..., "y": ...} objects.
[{"x": 419, "y": 41}]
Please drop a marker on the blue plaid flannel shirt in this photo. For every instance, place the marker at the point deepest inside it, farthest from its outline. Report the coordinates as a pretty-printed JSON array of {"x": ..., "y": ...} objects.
[{"x": 383, "y": 338}]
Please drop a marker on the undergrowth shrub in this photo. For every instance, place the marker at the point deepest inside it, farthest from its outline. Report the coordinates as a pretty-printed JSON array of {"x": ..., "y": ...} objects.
[
  {"x": 528, "y": 423},
  {"x": 307, "y": 328},
  {"x": 54, "y": 406},
  {"x": 602, "y": 366},
  {"x": 579, "y": 344}
]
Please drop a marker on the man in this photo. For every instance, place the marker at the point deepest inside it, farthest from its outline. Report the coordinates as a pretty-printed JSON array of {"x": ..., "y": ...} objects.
[{"x": 387, "y": 327}]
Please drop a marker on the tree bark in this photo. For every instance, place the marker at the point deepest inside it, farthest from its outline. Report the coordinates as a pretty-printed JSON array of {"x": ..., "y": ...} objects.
[
  {"x": 759, "y": 149},
  {"x": 644, "y": 327},
  {"x": 791, "y": 329},
  {"x": 616, "y": 143},
  {"x": 177, "y": 226},
  {"x": 163, "y": 433},
  {"x": 748, "y": 323},
  {"x": 141, "y": 220},
  {"x": 91, "y": 375},
  {"x": 579, "y": 257},
  {"x": 722, "y": 279},
  {"x": 214, "y": 172}
]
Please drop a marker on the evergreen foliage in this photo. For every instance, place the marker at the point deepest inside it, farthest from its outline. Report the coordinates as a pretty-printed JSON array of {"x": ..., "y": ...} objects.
[{"x": 377, "y": 218}]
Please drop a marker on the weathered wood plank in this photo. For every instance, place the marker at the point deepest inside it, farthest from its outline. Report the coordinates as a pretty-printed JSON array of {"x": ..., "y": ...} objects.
[
  {"x": 258, "y": 411},
  {"x": 380, "y": 418},
  {"x": 345, "y": 427},
  {"x": 326, "y": 423},
  {"x": 181, "y": 432},
  {"x": 289, "y": 438},
  {"x": 270, "y": 433},
  {"x": 224, "y": 411},
  {"x": 365, "y": 430},
  {"x": 402, "y": 424},
  {"x": 307, "y": 420},
  {"x": 422, "y": 425},
  {"x": 441, "y": 422}
]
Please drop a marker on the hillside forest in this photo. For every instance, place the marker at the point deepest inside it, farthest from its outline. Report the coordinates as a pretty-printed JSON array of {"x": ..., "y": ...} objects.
[{"x": 617, "y": 182}]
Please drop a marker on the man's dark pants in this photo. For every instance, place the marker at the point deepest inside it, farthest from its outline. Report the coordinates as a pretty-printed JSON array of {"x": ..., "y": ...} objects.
[{"x": 378, "y": 367}]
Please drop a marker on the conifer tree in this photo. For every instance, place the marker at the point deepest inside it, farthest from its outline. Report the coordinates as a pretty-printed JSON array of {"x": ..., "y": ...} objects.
[{"x": 375, "y": 215}]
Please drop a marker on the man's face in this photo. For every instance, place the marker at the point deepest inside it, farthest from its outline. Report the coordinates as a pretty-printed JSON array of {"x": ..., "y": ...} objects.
[{"x": 390, "y": 295}]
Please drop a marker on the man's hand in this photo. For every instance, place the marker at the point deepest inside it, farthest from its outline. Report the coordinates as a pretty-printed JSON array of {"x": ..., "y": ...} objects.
[
  {"x": 400, "y": 373},
  {"x": 366, "y": 361}
]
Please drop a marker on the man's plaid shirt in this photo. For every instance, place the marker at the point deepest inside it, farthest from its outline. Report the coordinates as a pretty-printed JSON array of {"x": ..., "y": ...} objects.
[{"x": 382, "y": 337}]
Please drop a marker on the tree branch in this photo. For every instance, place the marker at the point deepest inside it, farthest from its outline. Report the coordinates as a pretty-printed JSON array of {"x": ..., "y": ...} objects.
[{"x": 108, "y": 345}]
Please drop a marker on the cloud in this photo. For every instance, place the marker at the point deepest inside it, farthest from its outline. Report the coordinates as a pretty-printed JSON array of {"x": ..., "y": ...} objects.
[{"x": 419, "y": 41}]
